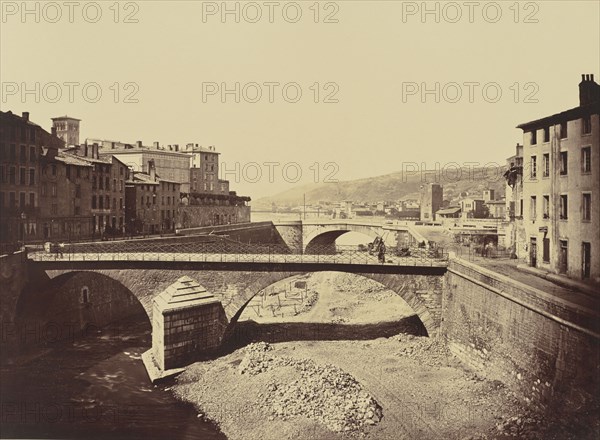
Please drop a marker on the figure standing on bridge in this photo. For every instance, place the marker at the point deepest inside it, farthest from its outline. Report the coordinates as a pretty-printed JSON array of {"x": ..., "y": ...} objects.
[{"x": 381, "y": 253}]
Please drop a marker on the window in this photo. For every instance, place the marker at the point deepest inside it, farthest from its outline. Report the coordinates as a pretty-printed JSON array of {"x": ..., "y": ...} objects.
[
  {"x": 12, "y": 171},
  {"x": 2, "y": 174},
  {"x": 13, "y": 152},
  {"x": 31, "y": 176},
  {"x": 586, "y": 124},
  {"x": 23, "y": 155},
  {"x": 120, "y": 203},
  {"x": 107, "y": 183},
  {"x": 78, "y": 191},
  {"x": 32, "y": 199},
  {"x": 546, "y": 250},
  {"x": 93, "y": 202},
  {"x": 107, "y": 202},
  {"x": 94, "y": 182},
  {"x": 22, "y": 200},
  {"x": 11, "y": 200},
  {"x": 563, "y": 163},
  {"x": 78, "y": 172},
  {"x": 586, "y": 160},
  {"x": 100, "y": 183},
  {"x": 85, "y": 295},
  {"x": 533, "y": 167},
  {"x": 77, "y": 210},
  {"x": 114, "y": 184},
  {"x": 534, "y": 137},
  {"x": 546, "y": 164},
  {"x": 563, "y": 130},
  {"x": 533, "y": 207},
  {"x": 101, "y": 202},
  {"x": 44, "y": 190},
  {"x": 31, "y": 154},
  {"x": 546, "y": 207},
  {"x": 22, "y": 176},
  {"x": 547, "y": 134},
  {"x": 53, "y": 188},
  {"x": 563, "y": 207},
  {"x": 586, "y": 207}
]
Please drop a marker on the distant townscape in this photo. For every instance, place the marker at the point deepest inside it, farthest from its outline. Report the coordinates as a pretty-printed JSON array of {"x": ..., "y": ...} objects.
[{"x": 542, "y": 206}]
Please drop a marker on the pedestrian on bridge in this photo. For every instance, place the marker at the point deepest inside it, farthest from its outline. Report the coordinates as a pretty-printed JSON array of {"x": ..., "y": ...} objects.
[{"x": 381, "y": 253}]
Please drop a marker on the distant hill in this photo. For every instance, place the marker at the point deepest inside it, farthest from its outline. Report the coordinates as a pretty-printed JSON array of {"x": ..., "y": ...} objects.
[{"x": 391, "y": 187}]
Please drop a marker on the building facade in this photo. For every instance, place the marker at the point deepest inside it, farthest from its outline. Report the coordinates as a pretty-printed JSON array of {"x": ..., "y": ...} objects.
[
  {"x": 171, "y": 164},
  {"x": 561, "y": 184},
  {"x": 27, "y": 153},
  {"x": 473, "y": 208},
  {"x": 107, "y": 202},
  {"x": 151, "y": 203},
  {"x": 204, "y": 171}
]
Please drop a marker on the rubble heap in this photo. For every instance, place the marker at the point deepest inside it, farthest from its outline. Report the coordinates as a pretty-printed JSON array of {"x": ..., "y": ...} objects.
[
  {"x": 430, "y": 351},
  {"x": 323, "y": 392}
]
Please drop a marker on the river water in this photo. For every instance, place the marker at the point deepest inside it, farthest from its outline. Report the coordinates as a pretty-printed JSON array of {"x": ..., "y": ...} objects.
[{"x": 95, "y": 387}]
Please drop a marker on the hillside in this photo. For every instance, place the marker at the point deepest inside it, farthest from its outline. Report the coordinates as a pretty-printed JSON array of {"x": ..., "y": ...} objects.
[{"x": 390, "y": 187}]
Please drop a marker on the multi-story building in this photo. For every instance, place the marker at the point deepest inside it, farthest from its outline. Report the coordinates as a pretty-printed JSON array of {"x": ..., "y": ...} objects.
[
  {"x": 561, "y": 186},
  {"x": 65, "y": 191},
  {"x": 26, "y": 150},
  {"x": 473, "y": 208},
  {"x": 151, "y": 203},
  {"x": 108, "y": 177},
  {"x": 432, "y": 197},
  {"x": 171, "y": 164},
  {"x": 67, "y": 129},
  {"x": 204, "y": 170}
]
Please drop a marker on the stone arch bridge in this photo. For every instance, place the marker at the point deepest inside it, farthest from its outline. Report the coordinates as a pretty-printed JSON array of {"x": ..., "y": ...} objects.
[
  {"x": 111, "y": 290},
  {"x": 303, "y": 236}
]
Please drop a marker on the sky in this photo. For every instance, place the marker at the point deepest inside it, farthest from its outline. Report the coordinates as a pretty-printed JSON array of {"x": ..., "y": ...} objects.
[{"x": 325, "y": 91}]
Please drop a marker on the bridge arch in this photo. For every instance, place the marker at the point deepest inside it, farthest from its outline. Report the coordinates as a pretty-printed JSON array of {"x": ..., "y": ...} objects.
[
  {"x": 73, "y": 303},
  {"x": 417, "y": 290},
  {"x": 323, "y": 236}
]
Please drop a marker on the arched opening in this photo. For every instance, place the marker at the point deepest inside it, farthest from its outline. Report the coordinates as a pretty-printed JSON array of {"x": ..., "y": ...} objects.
[
  {"x": 327, "y": 241},
  {"x": 327, "y": 306},
  {"x": 78, "y": 305}
]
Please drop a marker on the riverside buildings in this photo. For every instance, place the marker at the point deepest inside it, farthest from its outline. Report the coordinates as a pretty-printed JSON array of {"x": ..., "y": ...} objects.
[{"x": 558, "y": 208}]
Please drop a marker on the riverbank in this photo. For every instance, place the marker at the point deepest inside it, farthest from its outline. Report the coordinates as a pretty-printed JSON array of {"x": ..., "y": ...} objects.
[{"x": 383, "y": 386}]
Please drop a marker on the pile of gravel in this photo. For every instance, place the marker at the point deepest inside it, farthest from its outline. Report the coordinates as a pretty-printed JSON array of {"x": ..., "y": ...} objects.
[
  {"x": 429, "y": 351},
  {"x": 323, "y": 392}
]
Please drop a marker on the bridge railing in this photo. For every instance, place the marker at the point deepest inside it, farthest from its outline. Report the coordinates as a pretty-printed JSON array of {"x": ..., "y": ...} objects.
[{"x": 228, "y": 251}]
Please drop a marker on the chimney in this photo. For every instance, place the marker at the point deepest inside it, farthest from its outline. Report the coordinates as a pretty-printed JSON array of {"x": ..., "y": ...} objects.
[
  {"x": 26, "y": 116},
  {"x": 589, "y": 91},
  {"x": 156, "y": 144},
  {"x": 53, "y": 131},
  {"x": 95, "y": 151},
  {"x": 139, "y": 144},
  {"x": 152, "y": 170},
  {"x": 176, "y": 146},
  {"x": 85, "y": 150}
]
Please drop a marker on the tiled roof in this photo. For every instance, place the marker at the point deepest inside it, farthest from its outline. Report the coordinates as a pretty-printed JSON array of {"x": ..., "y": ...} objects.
[{"x": 71, "y": 159}]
